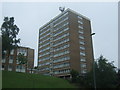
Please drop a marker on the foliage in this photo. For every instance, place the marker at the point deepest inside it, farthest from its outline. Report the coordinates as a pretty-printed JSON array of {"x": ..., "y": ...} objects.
[
  {"x": 74, "y": 75},
  {"x": 22, "y": 59},
  {"x": 118, "y": 79},
  {"x": 9, "y": 34},
  {"x": 9, "y": 38},
  {"x": 105, "y": 74}
]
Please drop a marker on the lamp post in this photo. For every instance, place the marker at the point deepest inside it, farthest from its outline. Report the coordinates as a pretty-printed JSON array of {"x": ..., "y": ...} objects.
[{"x": 94, "y": 66}]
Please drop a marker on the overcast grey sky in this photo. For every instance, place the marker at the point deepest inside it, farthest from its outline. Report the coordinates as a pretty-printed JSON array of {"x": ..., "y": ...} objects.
[{"x": 29, "y": 17}]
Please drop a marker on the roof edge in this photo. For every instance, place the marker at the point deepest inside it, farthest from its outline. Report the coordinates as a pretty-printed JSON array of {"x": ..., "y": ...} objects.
[
  {"x": 77, "y": 13},
  {"x": 68, "y": 9}
]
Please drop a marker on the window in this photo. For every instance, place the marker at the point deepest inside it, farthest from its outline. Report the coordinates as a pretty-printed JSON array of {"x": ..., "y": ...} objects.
[
  {"x": 61, "y": 59},
  {"x": 61, "y": 26},
  {"x": 41, "y": 55},
  {"x": 43, "y": 64},
  {"x": 81, "y": 32},
  {"x": 81, "y": 37},
  {"x": 80, "y": 22},
  {"x": 42, "y": 50},
  {"x": 61, "y": 47},
  {"x": 61, "y": 65},
  {"x": 45, "y": 58},
  {"x": 4, "y": 56},
  {"x": 82, "y": 42},
  {"x": 64, "y": 35},
  {"x": 44, "y": 28},
  {"x": 56, "y": 20},
  {"x": 61, "y": 53},
  {"x": 12, "y": 52},
  {"x": 22, "y": 51},
  {"x": 45, "y": 44},
  {"x": 83, "y": 71},
  {"x": 11, "y": 59},
  {"x": 80, "y": 17},
  {"x": 83, "y": 59},
  {"x": 82, "y": 47},
  {"x": 45, "y": 68},
  {"x": 9, "y": 68},
  {"x": 44, "y": 36},
  {"x": 83, "y": 65},
  {"x": 45, "y": 31},
  {"x": 17, "y": 62},
  {"x": 82, "y": 53},
  {"x": 3, "y": 60},
  {"x": 61, "y": 31},
  {"x": 61, "y": 42},
  {"x": 44, "y": 40},
  {"x": 81, "y": 27},
  {"x": 62, "y": 71},
  {"x": 23, "y": 69},
  {"x": 58, "y": 23},
  {"x": 18, "y": 68}
]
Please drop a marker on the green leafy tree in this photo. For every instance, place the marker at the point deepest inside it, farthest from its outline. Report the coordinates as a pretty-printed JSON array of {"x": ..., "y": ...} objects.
[
  {"x": 105, "y": 74},
  {"x": 22, "y": 61},
  {"x": 9, "y": 37},
  {"x": 118, "y": 79}
]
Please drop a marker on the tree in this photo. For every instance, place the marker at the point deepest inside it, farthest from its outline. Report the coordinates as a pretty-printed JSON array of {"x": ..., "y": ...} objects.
[
  {"x": 118, "y": 79},
  {"x": 74, "y": 75},
  {"x": 105, "y": 74},
  {"x": 9, "y": 37},
  {"x": 22, "y": 61}
]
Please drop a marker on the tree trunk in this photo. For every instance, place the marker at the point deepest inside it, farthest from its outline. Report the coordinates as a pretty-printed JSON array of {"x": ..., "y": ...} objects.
[
  {"x": 14, "y": 59},
  {"x": 7, "y": 60}
]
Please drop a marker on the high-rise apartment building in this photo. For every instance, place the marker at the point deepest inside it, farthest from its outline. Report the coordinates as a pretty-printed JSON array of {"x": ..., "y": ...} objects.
[
  {"x": 13, "y": 64},
  {"x": 65, "y": 43}
]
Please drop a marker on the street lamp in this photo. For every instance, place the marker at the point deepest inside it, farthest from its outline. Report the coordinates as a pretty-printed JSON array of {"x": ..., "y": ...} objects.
[
  {"x": 92, "y": 34},
  {"x": 93, "y": 66}
]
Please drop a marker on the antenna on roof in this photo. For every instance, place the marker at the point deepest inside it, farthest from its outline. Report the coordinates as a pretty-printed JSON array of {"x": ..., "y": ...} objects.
[{"x": 61, "y": 9}]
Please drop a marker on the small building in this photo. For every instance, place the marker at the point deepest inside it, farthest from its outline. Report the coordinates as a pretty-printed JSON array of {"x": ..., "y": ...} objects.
[{"x": 13, "y": 65}]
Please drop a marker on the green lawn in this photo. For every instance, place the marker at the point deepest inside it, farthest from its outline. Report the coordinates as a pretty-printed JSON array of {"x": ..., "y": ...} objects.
[{"x": 23, "y": 80}]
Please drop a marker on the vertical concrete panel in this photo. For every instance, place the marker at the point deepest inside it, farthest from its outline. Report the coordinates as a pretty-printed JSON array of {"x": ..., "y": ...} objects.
[{"x": 74, "y": 44}]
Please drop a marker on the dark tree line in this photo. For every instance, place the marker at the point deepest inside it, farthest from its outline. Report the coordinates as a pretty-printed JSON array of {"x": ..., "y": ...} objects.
[{"x": 106, "y": 75}]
